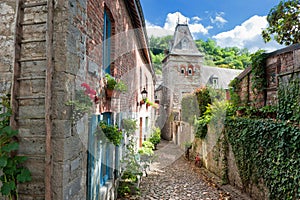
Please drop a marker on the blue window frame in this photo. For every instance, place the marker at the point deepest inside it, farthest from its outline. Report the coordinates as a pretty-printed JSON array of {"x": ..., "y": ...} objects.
[
  {"x": 106, "y": 43},
  {"x": 105, "y": 159}
]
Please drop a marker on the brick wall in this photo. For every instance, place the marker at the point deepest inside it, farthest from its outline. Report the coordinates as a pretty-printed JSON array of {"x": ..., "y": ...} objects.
[{"x": 280, "y": 66}]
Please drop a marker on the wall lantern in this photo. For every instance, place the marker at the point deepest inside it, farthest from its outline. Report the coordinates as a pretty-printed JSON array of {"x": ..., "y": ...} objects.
[{"x": 144, "y": 94}]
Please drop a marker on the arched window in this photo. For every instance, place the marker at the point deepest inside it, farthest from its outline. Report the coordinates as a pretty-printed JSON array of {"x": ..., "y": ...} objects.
[
  {"x": 182, "y": 70},
  {"x": 190, "y": 70}
]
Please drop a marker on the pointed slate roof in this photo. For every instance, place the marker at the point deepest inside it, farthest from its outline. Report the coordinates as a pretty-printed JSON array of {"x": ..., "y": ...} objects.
[{"x": 183, "y": 42}]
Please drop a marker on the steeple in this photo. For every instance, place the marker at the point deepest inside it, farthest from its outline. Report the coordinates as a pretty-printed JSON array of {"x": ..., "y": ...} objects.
[{"x": 183, "y": 42}]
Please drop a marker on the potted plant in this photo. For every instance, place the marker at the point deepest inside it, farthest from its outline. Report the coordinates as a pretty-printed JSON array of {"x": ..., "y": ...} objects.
[
  {"x": 111, "y": 132},
  {"x": 150, "y": 103},
  {"x": 113, "y": 85}
]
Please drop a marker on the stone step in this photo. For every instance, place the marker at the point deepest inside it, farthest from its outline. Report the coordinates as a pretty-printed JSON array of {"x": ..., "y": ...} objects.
[
  {"x": 31, "y": 78},
  {"x": 31, "y": 97},
  {"x": 32, "y": 59},
  {"x": 31, "y": 5},
  {"x": 32, "y": 41},
  {"x": 33, "y": 23}
]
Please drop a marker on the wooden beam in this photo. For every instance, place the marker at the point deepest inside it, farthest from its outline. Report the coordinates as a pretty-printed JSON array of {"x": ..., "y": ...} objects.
[{"x": 48, "y": 98}]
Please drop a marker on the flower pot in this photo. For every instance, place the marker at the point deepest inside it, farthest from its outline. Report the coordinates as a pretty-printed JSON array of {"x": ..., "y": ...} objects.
[{"x": 109, "y": 93}]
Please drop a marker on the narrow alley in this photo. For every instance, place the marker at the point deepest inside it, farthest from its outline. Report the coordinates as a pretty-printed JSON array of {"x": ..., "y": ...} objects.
[{"x": 172, "y": 176}]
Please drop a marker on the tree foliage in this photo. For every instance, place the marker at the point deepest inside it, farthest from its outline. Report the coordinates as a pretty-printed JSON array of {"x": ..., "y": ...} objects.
[
  {"x": 214, "y": 55},
  {"x": 284, "y": 23}
]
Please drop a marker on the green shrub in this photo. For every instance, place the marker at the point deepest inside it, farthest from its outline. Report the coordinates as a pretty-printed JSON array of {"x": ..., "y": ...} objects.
[{"x": 155, "y": 137}]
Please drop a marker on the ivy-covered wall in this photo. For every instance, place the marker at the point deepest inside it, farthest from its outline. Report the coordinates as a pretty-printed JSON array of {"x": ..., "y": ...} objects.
[
  {"x": 275, "y": 68},
  {"x": 255, "y": 146},
  {"x": 266, "y": 151}
]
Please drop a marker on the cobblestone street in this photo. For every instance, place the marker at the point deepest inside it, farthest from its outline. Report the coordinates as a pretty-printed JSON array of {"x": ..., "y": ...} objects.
[{"x": 172, "y": 177}]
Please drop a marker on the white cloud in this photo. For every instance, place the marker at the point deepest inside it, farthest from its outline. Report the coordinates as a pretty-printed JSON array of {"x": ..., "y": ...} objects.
[
  {"x": 218, "y": 20},
  {"x": 196, "y": 19},
  {"x": 247, "y": 35},
  {"x": 173, "y": 19},
  {"x": 157, "y": 31},
  {"x": 171, "y": 22}
]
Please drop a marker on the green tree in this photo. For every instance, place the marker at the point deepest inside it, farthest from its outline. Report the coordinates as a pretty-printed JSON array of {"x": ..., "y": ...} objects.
[
  {"x": 214, "y": 55},
  {"x": 284, "y": 23}
]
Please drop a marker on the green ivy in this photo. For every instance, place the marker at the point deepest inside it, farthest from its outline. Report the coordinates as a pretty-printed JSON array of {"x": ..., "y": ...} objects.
[
  {"x": 203, "y": 98},
  {"x": 234, "y": 87},
  {"x": 10, "y": 163},
  {"x": 267, "y": 149},
  {"x": 258, "y": 80},
  {"x": 289, "y": 101}
]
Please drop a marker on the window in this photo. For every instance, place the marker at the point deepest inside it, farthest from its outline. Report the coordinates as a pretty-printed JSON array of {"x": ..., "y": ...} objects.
[
  {"x": 106, "y": 43},
  {"x": 184, "y": 44},
  {"x": 215, "y": 82},
  {"x": 190, "y": 71},
  {"x": 182, "y": 71}
]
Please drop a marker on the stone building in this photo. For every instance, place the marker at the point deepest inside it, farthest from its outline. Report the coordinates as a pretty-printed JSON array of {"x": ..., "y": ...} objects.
[
  {"x": 55, "y": 53},
  {"x": 183, "y": 72}
]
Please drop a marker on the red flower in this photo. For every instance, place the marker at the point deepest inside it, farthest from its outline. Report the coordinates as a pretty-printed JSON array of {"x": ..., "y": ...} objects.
[{"x": 90, "y": 92}]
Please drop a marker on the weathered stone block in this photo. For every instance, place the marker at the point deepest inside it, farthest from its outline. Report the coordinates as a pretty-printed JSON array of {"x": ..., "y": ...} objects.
[
  {"x": 72, "y": 189},
  {"x": 32, "y": 146},
  {"x": 75, "y": 164},
  {"x": 32, "y": 128},
  {"x": 58, "y": 147},
  {"x": 62, "y": 128},
  {"x": 32, "y": 188},
  {"x": 73, "y": 146},
  {"x": 36, "y": 166},
  {"x": 32, "y": 112}
]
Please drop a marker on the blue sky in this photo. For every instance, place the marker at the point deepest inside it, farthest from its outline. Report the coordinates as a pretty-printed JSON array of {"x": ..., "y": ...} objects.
[{"x": 228, "y": 22}]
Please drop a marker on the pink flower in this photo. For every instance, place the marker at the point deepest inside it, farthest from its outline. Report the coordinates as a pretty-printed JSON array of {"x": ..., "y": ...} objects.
[{"x": 90, "y": 92}]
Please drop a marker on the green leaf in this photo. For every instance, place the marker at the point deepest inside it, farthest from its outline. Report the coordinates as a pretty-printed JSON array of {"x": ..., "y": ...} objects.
[
  {"x": 9, "y": 131},
  {"x": 24, "y": 176},
  {"x": 13, "y": 146},
  {"x": 8, "y": 187},
  {"x": 3, "y": 161}
]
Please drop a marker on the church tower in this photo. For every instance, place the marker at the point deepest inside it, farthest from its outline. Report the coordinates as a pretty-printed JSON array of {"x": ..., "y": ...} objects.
[{"x": 181, "y": 74}]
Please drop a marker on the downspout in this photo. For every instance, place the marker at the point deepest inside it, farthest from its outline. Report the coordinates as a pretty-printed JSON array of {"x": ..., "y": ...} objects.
[{"x": 48, "y": 98}]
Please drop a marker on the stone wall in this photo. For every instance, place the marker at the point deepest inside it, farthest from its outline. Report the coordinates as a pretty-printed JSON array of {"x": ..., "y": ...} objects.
[
  {"x": 7, "y": 13},
  {"x": 7, "y": 23},
  {"x": 280, "y": 66},
  {"x": 217, "y": 156}
]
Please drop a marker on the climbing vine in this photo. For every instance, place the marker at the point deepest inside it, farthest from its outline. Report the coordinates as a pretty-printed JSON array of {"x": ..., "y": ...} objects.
[
  {"x": 234, "y": 87},
  {"x": 289, "y": 101},
  {"x": 10, "y": 164},
  {"x": 267, "y": 149},
  {"x": 258, "y": 71}
]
